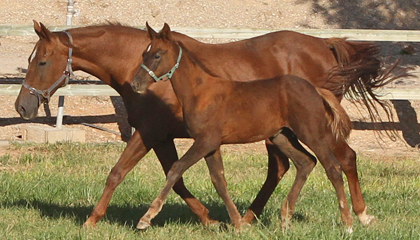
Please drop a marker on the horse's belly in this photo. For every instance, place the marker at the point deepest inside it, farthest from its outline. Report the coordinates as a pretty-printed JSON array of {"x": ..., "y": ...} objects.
[{"x": 248, "y": 133}]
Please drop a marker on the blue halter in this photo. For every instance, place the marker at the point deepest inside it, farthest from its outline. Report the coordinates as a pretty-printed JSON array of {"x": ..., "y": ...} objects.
[{"x": 168, "y": 74}]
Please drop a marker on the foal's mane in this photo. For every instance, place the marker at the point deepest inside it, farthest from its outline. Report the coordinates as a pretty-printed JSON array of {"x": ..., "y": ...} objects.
[{"x": 194, "y": 59}]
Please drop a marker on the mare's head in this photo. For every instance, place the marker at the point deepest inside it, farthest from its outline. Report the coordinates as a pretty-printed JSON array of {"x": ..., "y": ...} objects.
[
  {"x": 160, "y": 59},
  {"x": 47, "y": 71}
]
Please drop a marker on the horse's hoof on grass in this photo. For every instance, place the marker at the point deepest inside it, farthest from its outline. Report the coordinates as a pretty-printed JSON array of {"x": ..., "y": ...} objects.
[
  {"x": 368, "y": 220},
  {"x": 211, "y": 222},
  {"x": 217, "y": 226},
  {"x": 143, "y": 225},
  {"x": 89, "y": 225}
]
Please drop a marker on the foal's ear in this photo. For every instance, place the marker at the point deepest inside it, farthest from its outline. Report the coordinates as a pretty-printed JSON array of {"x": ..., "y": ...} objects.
[
  {"x": 42, "y": 31},
  {"x": 166, "y": 32},
  {"x": 151, "y": 33}
]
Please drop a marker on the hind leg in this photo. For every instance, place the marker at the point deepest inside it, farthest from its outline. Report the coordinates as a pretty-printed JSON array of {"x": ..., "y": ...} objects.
[
  {"x": 334, "y": 172},
  {"x": 278, "y": 164},
  {"x": 304, "y": 162},
  {"x": 347, "y": 158}
]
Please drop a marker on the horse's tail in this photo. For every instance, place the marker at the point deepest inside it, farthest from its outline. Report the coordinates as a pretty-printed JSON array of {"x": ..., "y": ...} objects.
[
  {"x": 338, "y": 120},
  {"x": 359, "y": 74}
]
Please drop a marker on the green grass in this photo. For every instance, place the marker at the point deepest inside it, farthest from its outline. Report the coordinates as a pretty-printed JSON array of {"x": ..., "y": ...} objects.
[{"x": 47, "y": 192}]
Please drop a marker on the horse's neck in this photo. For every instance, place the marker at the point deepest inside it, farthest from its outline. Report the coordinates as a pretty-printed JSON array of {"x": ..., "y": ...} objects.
[
  {"x": 190, "y": 80},
  {"x": 108, "y": 58}
]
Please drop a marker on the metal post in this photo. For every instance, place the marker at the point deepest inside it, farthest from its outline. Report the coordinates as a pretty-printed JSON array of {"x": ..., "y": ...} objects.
[
  {"x": 60, "y": 112},
  {"x": 70, "y": 12}
]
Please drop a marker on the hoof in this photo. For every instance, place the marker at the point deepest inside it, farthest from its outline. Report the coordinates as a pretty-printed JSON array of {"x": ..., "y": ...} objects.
[
  {"x": 142, "y": 225},
  {"x": 89, "y": 225},
  {"x": 286, "y": 224},
  {"x": 349, "y": 230},
  {"x": 212, "y": 222},
  {"x": 367, "y": 220},
  {"x": 249, "y": 218},
  {"x": 218, "y": 227}
]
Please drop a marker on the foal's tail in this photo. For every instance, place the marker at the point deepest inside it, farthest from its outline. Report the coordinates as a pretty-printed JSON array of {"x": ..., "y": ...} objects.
[
  {"x": 338, "y": 120},
  {"x": 360, "y": 74}
]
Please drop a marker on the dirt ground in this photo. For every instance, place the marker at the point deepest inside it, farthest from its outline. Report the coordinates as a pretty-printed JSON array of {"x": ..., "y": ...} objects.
[{"x": 269, "y": 14}]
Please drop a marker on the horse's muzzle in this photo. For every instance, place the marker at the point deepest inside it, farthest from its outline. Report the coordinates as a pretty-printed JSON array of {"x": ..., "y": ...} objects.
[{"x": 27, "y": 106}]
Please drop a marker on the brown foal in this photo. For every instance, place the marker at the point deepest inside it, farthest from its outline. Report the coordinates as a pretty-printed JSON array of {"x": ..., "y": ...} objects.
[{"x": 216, "y": 111}]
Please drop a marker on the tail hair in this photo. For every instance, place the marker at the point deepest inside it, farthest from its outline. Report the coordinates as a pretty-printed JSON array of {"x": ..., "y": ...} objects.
[
  {"x": 363, "y": 74},
  {"x": 338, "y": 120}
]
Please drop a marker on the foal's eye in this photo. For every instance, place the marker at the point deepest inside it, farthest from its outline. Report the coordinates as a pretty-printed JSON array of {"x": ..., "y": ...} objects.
[
  {"x": 157, "y": 56},
  {"x": 42, "y": 63}
]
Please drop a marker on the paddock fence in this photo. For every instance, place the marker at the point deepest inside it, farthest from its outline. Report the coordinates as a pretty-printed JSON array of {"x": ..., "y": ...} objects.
[{"x": 11, "y": 88}]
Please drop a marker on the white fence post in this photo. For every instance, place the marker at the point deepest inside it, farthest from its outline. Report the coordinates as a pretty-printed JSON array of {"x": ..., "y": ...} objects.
[{"x": 60, "y": 112}]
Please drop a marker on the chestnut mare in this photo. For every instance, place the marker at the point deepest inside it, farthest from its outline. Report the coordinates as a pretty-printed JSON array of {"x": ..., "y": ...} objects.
[
  {"x": 113, "y": 53},
  {"x": 216, "y": 111}
]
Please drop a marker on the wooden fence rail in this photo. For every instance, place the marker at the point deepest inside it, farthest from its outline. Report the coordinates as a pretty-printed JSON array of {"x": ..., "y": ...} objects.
[
  {"x": 105, "y": 90},
  {"x": 242, "y": 33},
  {"x": 9, "y": 89},
  {"x": 233, "y": 33}
]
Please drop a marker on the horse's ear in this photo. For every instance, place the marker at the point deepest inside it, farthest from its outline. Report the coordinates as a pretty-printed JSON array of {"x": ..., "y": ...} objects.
[
  {"x": 150, "y": 32},
  {"x": 42, "y": 31},
  {"x": 37, "y": 28},
  {"x": 166, "y": 32}
]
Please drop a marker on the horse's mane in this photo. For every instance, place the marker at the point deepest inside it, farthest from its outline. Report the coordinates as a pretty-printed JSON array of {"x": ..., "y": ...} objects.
[
  {"x": 108, "y": 23},
  {"x": 112, "y": 24},
  {"x": 195, "y": 59},
  {"x": 105, "y": 26}
]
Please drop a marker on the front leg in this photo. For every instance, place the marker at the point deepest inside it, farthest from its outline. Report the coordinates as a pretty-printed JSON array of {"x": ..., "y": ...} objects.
[
  {"x": 198, "y": 150},
  {"x": 215, "y": 165},
  {"x": 167, "y": 155},
  {"x": 132, "y": 154}
]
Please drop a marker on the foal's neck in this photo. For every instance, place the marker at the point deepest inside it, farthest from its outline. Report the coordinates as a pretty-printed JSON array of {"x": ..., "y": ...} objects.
[{"x": 190, "y": 80}]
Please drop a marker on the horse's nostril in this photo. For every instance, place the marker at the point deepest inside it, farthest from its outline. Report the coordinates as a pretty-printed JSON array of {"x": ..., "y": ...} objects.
[
  {"x": 21, "y": 110},
  {"x": 134, "y": 86},
  {"x": 23, "y": 114}
]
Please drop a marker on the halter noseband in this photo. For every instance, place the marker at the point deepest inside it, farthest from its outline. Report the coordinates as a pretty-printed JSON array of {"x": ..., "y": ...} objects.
[
  {"x": 168, "y": 74},
  {"x": 46, "y": 94}
]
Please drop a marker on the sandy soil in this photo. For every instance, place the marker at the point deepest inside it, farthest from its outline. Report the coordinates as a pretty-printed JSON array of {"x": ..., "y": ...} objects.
[{"x": 271, "y": 14}]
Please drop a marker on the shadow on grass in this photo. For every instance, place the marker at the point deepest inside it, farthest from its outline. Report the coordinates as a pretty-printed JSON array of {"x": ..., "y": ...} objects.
[
  {"x": 125, "y": 215},
  {"x": 129, "y": 215}
]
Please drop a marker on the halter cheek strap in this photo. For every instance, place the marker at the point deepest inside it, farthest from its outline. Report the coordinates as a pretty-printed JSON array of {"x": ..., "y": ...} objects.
[
  {"x": 169, "y": 74},
  {"x": 46, "y": 94}
]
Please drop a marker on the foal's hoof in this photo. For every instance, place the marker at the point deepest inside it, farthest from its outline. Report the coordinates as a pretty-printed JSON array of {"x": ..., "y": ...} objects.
[
  {"x": 142, "y": 225},
  {"x": 367, "y": 220}
]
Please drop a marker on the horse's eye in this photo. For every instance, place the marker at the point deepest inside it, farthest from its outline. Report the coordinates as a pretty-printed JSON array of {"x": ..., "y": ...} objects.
[
  {"x": 42, "y": 63},
  {"x": 157, "y": 56}
]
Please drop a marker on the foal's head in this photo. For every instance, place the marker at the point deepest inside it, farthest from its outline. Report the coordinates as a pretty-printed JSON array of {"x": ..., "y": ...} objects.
[
  {"x": 47, "y": 64},
  {"x": 160, "y": 59}
]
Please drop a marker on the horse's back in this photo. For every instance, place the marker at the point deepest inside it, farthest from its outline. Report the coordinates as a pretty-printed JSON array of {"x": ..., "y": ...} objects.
[
  {"x": 266, "y": 56},
  {"x": 283, "y": 101}
]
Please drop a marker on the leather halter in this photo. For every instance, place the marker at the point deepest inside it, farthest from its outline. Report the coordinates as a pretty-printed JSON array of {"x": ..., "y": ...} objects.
[
  {"x": 168, "y": 74},
  {"x": 46, "y": 94}
]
